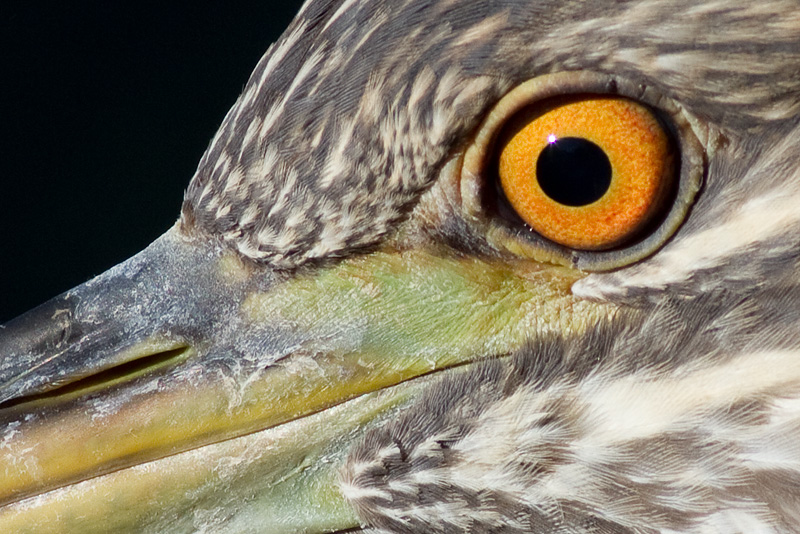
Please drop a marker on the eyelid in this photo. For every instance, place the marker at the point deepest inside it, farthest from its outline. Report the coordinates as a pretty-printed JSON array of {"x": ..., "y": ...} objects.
[{"x": 478, "y": 177}]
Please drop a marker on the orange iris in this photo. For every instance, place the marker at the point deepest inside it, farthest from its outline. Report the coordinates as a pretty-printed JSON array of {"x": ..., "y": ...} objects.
[{"x": 589, "y": 174}]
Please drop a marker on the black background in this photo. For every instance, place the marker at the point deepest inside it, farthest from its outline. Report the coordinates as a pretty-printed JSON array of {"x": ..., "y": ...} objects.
[{"x": 105, "y": 110}]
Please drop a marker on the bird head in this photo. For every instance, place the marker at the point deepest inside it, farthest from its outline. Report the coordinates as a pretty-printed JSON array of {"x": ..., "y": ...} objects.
[{"x": 514, "y": 266}]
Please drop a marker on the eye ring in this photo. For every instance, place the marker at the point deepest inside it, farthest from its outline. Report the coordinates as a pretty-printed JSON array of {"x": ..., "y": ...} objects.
[{"x": 507, "y": 230}]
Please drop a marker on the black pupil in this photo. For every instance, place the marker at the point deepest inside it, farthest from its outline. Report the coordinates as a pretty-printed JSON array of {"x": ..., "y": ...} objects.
[{"x": 573, "y": 171}]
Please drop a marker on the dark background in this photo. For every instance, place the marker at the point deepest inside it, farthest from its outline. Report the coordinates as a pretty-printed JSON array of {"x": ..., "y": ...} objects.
[{"x": 105, "y": 110}]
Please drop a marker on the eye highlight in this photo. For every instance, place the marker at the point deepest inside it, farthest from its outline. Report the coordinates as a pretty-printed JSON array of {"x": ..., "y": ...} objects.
[{"x": 588, "y": 172}]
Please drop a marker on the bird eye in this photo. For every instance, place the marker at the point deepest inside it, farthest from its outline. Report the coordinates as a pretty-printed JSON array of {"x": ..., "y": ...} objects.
[
  {"x": 582, "y": 169},
  {"x": 589, "y": 173}
]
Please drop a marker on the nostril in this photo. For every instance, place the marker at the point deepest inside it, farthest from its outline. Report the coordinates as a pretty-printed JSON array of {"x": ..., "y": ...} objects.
[{"x": 119, "y": 374}]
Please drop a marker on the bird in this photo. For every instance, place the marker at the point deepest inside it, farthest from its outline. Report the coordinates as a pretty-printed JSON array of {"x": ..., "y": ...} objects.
[{"x": 499, "y": 266}]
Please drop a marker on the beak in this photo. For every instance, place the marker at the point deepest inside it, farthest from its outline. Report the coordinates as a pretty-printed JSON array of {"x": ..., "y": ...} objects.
[{"x": 187, "y": 389}]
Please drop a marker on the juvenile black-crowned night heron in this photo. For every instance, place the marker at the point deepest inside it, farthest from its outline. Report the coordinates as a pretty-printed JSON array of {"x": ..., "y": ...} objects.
[{"x": 382, "y": 306}]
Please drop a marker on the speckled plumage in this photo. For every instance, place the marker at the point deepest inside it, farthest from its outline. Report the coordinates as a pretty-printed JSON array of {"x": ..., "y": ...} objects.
[
  {"x": 357, "y": 123},
  {"x": 385, "y": 121},
  {"x": 614, "y": 432},
  {"x": 351, "y": 114}
]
